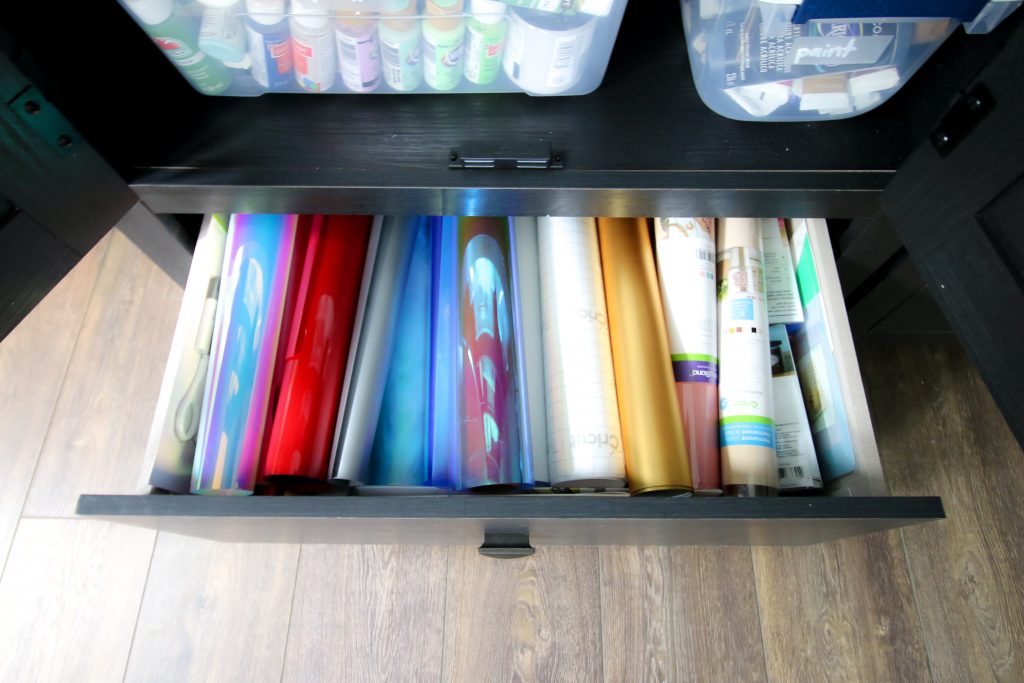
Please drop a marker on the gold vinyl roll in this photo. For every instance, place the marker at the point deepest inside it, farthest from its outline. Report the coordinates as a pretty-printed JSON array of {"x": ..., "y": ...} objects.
[{"x": 652, "y": 432}]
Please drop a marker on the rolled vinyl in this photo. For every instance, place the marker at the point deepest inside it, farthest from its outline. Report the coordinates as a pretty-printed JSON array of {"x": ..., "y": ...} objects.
[
  {"x": 181, "y": 391},
  {"x": 526, "y": 294},
  {"x": 254, "y": 284},
  {"x": 655, "y": 450},
  {"x": 745, "y": 366},
  {"x": 584, "y": 433},
  {"x": 491, "y": 441},
  {"x": 400, "y": 446},
  {"x": 685, "y": 249},
  {"x": 318, "y": 348},
  {"x": 444, "y": 347},
  {"x": 358, "y": 423}
]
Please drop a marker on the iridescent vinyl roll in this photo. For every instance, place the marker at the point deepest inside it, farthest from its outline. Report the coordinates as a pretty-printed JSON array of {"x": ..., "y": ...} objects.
[
  {"x": 254, "y": 282},
  {"x": 400, "y": 447},
  {"x": 746, "y": 425},
  {"x": 172, "y": 438},
  {"x": 491, "y": 442},
  {"x": 652, "y": 433},
  {"x": 584, "y": 435},
  {"x": 526, "y": 286},
  {"x": 686, "y": 269},
  {"x": 367, "y": 372},
  {"x": 444, "y": 348}
]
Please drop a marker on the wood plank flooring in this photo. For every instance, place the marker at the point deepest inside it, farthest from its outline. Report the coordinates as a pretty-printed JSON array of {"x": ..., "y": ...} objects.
[{"x": 85, "y": 600}]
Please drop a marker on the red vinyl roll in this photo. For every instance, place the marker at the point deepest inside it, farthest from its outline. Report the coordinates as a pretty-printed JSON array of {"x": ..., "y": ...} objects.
[{"x": 317, "y": 351}]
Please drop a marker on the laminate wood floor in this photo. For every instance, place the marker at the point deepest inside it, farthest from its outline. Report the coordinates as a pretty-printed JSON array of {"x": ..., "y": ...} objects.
[{"x": 89, "y": 601}]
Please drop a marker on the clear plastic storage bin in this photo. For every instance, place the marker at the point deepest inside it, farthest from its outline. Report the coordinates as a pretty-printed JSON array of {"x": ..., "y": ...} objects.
[
  {"x": 250, "y": 47},
  {"x": 777, "y": 60}
]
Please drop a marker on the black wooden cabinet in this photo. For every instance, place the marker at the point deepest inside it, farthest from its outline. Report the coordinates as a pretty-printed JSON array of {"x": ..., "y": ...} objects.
[{"x": 643, "y": 144}]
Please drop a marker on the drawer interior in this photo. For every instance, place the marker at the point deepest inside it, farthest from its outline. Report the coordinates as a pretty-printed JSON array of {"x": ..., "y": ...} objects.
[{"x": 853, "y": 504}]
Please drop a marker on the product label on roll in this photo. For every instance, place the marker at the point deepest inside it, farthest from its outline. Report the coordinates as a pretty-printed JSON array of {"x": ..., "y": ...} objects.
[
  {"x": 694, "y": 369},
  {"x": 686, "y": 268},
  {"x": 745, "y": 399}
]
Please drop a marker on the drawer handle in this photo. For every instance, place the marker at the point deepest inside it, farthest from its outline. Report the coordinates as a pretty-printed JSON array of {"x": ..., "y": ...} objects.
[{"x": 506, "y": 546}]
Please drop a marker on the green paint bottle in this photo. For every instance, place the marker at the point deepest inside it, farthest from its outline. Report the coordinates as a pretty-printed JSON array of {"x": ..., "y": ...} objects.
[
  {"x": 485, "y": 40},
  {"x": 444, "y": 31},
  {"x": 400, "y": 53},
  {"x": 178, "y": 38}
]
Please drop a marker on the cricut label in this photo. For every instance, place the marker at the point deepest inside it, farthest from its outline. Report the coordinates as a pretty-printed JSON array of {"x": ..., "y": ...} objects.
[
  {"x": 686, "y": 266},
  {"x": 745, "y": 401}
]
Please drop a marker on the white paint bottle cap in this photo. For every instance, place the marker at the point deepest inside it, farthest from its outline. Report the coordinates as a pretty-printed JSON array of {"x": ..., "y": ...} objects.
[
  {"x": 151, "y": 12},
  {"x": 487, "y": 11},
  {"x": 267, "y": 12}
]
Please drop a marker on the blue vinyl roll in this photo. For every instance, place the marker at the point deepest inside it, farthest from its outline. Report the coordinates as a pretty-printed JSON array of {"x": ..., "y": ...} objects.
[
  {"x": 400, "y": 446},
  {"x": 444, "y": 335}
]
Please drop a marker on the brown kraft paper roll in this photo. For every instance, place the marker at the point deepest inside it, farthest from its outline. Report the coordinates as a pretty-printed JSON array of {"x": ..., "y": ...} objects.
[{"x": 652, "y": 432}]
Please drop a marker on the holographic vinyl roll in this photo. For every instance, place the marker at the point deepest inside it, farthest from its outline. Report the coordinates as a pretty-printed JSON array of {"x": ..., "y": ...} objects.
[
  {"x": 369, "y": 364},
  {"x": 443, "y": 419},
  {"x": 317, "y": 350},
  {"x": 254, "y": 282},
  {"x": 526, "y": 290},
  {"x": 584, "y": 435},
  {"x": 652, "y": 432},
  {"x": 746, "y": 418},
  {"x": 172, "y": 439},
  {"x": 491, "y": 442},
  {"x": 400, "y": 446}
]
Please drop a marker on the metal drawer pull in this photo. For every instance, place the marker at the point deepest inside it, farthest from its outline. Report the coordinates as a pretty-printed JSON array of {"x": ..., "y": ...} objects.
[{"x": 506, "y": 545}]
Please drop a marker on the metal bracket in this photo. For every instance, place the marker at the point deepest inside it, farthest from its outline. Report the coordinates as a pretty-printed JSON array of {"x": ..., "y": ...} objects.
[
  {"x": 45, "y": 120},
  {"x": 961, "y": 118},
  {"x": 484, "y": 155},
  {"x": 506, "y": 545}
]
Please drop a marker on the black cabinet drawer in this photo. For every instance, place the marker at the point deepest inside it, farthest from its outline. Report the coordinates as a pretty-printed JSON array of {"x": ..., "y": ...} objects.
[{"x": 854, "y": 504}]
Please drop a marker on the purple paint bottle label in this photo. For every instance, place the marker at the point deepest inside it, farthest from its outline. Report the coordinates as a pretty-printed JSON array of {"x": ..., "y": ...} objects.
[{"x": 359, "y": 56}]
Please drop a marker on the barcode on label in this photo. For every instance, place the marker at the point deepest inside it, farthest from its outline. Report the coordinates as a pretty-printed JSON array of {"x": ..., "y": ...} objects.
[
  {"x": 391, "y": 56},
  {"x": 795, "y": 472},
  {"x": 704, "y": 255}
]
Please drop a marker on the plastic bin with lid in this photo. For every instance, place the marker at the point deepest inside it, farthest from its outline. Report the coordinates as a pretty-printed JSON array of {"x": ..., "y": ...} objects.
[
  {"x": 805, "y": 60},
  {"x": 251, "y": 47}
]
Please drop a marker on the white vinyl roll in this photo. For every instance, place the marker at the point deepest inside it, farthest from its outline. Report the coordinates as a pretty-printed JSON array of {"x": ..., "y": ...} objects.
[
  {"x": 584, "y": 432},
  {"x": 527, "y": 280}
]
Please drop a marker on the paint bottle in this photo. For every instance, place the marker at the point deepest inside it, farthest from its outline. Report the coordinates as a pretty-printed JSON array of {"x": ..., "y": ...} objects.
[
  {"x": 546, "y": 53},
  {"x": 597, "y": 8},
  {"x": 746, "y": 422},
  {"x": 270, "y": 43},
  {"x": 401, "y": 54},
  {"x": 358, "y": 51},
  {"x": 443, "y": 38},
  {"x": 177, "y": 38},
  {"x": 222, "y": 36},
  {"x": 312, "y": 46},
  {"x": 485, "y": 40}
]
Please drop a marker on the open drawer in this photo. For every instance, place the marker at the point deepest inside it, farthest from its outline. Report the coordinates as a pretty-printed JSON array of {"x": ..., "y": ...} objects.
[{"x": 508, "y": 525}]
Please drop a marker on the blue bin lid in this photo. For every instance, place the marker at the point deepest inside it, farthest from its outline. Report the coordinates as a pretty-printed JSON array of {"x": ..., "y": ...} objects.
[{"x": 962, "y": 10}]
